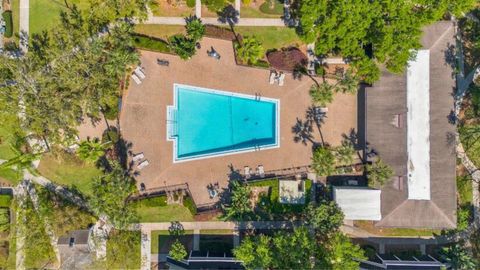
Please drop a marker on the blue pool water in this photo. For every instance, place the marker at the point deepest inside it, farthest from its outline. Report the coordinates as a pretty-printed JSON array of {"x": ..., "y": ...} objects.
[{"x": 205, "y": 122}]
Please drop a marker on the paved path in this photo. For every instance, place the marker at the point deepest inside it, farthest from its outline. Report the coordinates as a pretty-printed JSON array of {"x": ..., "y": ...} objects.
[
  {"x": 20, "y": 196},
  {"x": 198, "y": 8},
  {"x": 214, "y": 21},
  {"x": 24, "y": 23}
]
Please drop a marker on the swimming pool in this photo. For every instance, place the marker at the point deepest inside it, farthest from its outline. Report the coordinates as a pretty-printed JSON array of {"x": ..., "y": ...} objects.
[{"x": 205, "y": 123}]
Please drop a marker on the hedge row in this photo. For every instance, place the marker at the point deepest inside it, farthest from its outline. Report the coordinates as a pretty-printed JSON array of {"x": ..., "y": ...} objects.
[
  {"x": 151, "y": 44},
  {"x": 7, "y": 17}
]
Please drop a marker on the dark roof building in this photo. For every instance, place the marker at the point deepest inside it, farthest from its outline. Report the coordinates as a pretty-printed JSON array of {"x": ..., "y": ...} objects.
[
  {"x": 74, "y": 250},
  {"x": 202, "y": 260},
  {"x": 408, "y": 127}
]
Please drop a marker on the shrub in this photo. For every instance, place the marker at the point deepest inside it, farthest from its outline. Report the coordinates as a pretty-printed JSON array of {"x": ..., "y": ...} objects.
[
  {"x": 195, "y": 28},
  {"x": 177, "y": 251},
  {"x": 110, "y": 135},
  {"x": 4, "y": 220},
  {"x": 250, "y": 51},
  {"x": 5, "y": 200},
  {"x": 183, "y": 46},
  {"x": 7, "y": 17},
  {"x": 190, "y": 204},
  {"x": 464, "y": 217},
  {"x": 191, "y": 3},
  {"x": 151, "y": 44}
]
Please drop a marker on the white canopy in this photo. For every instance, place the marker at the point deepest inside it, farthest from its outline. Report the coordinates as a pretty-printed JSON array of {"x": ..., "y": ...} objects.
[{"x": 358, "y": 203}]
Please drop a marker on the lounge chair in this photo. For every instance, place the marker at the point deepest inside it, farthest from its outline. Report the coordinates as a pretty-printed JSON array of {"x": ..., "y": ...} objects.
[
  {"x": 273, "y": 77},
  {"x": 136, "y": 79},
  {"x": 138, "y": 157},
  {"x": 138, "y": 71},
  {"x": 247, "y": 172},
  {"x": 261, "y": 171},
  {"x": 281, "y": 79},
  {"x": 163, "y": 62},
  {"x": 143, "y": 164}
]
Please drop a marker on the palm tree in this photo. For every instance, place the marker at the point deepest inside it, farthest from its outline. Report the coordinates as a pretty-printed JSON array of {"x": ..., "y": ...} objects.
[
  {"x": 378, "y": 173},
  {"x": 250, "y": 51},
  {"x": 92, "y": 150},
  {"x": 322, "y": 94},
  {"x": 239, "y": 207},
  {"x": 183, "y": 46},
  {"x": 195, "y": 28},
  {"x": 348, "y": 83},
  {"x": 458, "y": 257},
  {"x": 345, "y": 153},
  {"x": 323, "y": 161},
  {"x": 20, "y": 161}
]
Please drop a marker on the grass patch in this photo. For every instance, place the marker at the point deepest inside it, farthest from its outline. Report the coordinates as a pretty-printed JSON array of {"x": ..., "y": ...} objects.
[
  {"x": 5, "y": 200},
  {"x": 6, "y": 139},
  {"x": 159, "y": 31},
  {"x": 123, "y": 250},
  {"x": 9, "y": 175},
  {"x": 271, "y": 37},
  {"x": 151, "y": 44},
  {"x": 68, "y": 170},
  {"x": 162, "y": 240},
  {"x": 369, "y": 227},
  {"x": 151, "y": 202},
  {"x": 252, "y": 12},
  {"x": 173, "y": 212},
  {"x": 45, "y": 14},
  {"x": 464, "y": 189},
  {"x": 190, "y": 204}
]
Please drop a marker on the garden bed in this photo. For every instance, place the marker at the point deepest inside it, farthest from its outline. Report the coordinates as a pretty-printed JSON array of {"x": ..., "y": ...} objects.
[{"x": 269, "y": 206}]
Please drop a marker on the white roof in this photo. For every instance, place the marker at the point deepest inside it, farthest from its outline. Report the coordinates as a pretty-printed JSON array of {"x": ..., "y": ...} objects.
[
  {"x": 418, "y": 126},
  {"x": 358, "y": 203},
  {"x": 292, "y": 192}
]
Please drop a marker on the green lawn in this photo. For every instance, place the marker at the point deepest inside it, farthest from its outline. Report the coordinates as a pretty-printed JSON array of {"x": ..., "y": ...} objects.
[
  {"x": 370, "y": 227},
  {"x": 6, "y": 138},
  {"x": 15, "y": 5},
  {"x": 162, "y": 240},
  {"x": 173, "y": 212},
  {"x": 464, "y": 189},
  {"x": 250, "y": 12},
  {"x": 470, "y": 138},
  {"x": 159, "y": 31},
  {"x": 216, "y": 232},
  {"x": 123, "y": 250},
  {"x": 272, "y": 37},
  {"x": 69, "y": 171},
  {"x": 45, "y": 14}
]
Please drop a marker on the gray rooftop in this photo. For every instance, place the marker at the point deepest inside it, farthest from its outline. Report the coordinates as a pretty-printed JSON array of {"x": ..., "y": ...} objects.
[{"x": 387, "y": 134}]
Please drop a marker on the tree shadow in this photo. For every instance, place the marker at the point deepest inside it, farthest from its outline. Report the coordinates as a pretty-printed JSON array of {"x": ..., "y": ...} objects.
[
  {"x": 451, "y": 58},
  {"x": 229, "y": 15},
  {"x": 234, "y": 174},
  {"x": 302, "y": 131}
]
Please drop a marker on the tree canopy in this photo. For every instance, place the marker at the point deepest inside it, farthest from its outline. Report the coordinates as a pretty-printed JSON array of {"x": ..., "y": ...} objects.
[
  {"x": 369, "y": 32},
  {"x": 378, "y": 173},
  {"x": 239, "y": 206},
  {"x": 73, "y": 70},
  {"x": 250, "y": 50},
  {"x": 325, "y": 218},
  {"x": 323, "y": 161}
]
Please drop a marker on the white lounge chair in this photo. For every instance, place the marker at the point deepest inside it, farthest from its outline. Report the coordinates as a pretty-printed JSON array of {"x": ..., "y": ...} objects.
[
  {"x": 281, "y": 79},
  {"x": 136, "y": 79},
  {"x": 261, "y": 171},
  {"x": 143, "y": 164},
  {"x": 138, "y": 71},
  {"x": 138, "y": 157},
  {"x": 273, "y": 77},
  {"x": 247, "y": 172}
]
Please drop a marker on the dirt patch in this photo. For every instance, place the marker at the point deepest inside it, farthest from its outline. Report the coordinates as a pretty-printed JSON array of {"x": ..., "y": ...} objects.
[
  {"x": 257, "y": 193},
  {"x": 171, "y": 8}
]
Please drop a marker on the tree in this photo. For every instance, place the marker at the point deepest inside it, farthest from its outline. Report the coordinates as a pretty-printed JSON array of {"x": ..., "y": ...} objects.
[
  {"x": 183, "y": 46},
  {"x": 325, "y": 218},
  {"x": 195, "y": 28},
  {"x": 322, "y": 94},
  {"x": 458, "y": 257},
  {"x": 92, "y": 150},
  {"x": 250, "y": 51},
  {"x": 255, "y": 252},
  {"x": 388, "y": 30},
  {"x": 177, "y": 251},
  {"x": 345, "y": 152},
  {"x": 239, "y": 207},
  {"x": 283, "y": 250},
  {"x": 323, "y": 161},
  {"x": 378, "y": 173},
  {"x": 21, "y": 161},
  {"x": 348, "y": 83},
  {"x": 110, "y": 194},
  {"x": 340, "y": 253},
  {"x": 4, "y": 220}
]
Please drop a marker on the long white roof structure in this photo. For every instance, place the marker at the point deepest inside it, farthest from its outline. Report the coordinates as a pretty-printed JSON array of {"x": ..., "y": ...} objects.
[
  {"x": 358, "y": 203},
  {"x": 418, "y": 126}
]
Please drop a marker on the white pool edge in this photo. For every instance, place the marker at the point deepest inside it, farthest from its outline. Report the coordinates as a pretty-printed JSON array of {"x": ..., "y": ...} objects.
[{"x": 222, "y": 153}]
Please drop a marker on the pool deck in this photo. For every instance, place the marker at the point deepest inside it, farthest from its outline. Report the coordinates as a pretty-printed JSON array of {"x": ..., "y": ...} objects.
[{"x": 143, "y": 118}]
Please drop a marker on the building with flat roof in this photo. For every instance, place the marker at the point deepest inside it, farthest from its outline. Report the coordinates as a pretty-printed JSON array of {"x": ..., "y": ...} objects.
[
  {"x": 408, "y": 126},
  {"x": 358, "y": 203}
]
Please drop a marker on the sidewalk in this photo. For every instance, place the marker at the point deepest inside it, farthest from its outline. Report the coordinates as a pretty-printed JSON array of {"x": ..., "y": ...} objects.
[{"x": 214, "y": 21}]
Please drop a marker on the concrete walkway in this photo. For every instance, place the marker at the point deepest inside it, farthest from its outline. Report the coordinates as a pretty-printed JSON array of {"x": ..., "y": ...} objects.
[
  {"x": 24, "y": 24},
  {"x": 214, "y": 21},
  {"x": 20, "y": 196}
]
